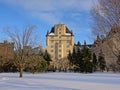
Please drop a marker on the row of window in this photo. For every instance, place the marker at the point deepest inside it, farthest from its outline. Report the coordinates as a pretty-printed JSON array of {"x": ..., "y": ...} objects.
[
  {"x": 58, "y": 56},
  {"x": 60, "y": 50},
  {"x": 52, "y": 46},
  {"x": 68, "y": 41},
  {"x": 53, "y": 50}
]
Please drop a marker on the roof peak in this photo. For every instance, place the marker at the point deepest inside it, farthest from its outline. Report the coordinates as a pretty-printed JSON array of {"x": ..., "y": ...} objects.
[{"x": 56, "y": 26}]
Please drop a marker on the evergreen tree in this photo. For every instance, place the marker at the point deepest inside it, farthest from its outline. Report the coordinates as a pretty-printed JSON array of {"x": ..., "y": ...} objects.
[
  {"x": 46, "y": 56},
  {"x": 101, "y": 61},
  {"x": 94, "y": 62},
  {"x": 86, "y": 59},
  {"x": 79, "y": 62},
  {"x": 81, "y": 59},
  {"x": 74, "y": 59},
  {"x": 78, "y": 44},
  {"x": 70, "y": 57},
  {"x": 74, "y": 56},
  {"x": 7, "y": 65},
  {"x": 36, "y": 63}
]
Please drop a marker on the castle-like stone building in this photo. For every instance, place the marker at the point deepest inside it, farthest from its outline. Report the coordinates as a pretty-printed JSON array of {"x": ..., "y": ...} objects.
[
  {"x": 6, "y": 50},
  {"x": 60, "y": 41}
]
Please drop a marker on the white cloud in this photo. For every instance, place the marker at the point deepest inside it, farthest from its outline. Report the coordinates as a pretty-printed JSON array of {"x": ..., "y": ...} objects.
[{"x": 51, "y": 11}]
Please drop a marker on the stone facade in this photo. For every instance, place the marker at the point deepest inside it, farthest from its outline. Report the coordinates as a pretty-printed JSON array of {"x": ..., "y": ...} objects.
[
  {"x": 60, "y": 40},
  {"x": 6, "y": 50},
  {"x": 110, "y": 46}
]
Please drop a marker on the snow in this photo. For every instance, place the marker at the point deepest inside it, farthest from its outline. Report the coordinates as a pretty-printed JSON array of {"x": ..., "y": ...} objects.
[
  {"x": 51, "y": 34},
  {"x": 60, "y": 81},
  {"x": 68, "y": 33}
]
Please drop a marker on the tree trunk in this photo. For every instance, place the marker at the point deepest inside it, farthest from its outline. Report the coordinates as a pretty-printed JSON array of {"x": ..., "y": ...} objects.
[{"x": 21, "y": 72}]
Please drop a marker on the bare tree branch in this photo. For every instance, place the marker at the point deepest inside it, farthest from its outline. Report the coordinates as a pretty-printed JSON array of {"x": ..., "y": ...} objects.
[
  {"x": 105, "y": 14},
  {"x": 106, "y": 21},
  {"x": 22, "y": 42}
]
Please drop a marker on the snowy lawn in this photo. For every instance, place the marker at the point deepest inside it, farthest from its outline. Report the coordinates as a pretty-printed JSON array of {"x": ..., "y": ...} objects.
[{"x": 60, "y": 81}]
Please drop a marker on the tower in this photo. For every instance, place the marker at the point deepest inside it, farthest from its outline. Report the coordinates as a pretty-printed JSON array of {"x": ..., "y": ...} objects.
[{"x": 59, "y": 41}]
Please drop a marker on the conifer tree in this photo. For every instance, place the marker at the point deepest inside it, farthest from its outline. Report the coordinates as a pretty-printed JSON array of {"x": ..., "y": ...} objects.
[
  {"x": 94, "y": 62},
  {"x": 47, "y": 57},
  {"x": 74, "y": 59},
  {"x": 36, "y": 63},
  {"x": 86, "y": 59},
  {"x": 79, "y": 59},
  {"x": 78, "y": 44},
  {"x": 70, "y": 57},
  {"x": 78, "y": 56},
  {"x": 101, "y": 61},
  {"x": 74, "y": 56}
]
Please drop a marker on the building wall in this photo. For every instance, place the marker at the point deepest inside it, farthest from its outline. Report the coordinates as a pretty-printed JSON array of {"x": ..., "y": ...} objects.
[
  {"x": 59, "y": 42},
  {"x": 7, "y": 50}
]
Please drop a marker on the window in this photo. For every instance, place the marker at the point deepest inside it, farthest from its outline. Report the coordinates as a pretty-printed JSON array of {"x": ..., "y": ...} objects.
[
  {"x": 51, "y": 50},
  {"x": 67, "y": 46},
  {"x": 59, "y": 36},
  {"x": 59, "y": 50},
  {"x": 60, "y": 56},
  {"x": 51, "y": 46},
  {"x": 60, "y": 41},
  {"x": 52, "y": 41}
]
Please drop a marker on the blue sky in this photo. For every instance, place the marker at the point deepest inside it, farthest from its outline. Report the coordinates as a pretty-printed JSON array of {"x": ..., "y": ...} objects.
[{"x": 44, "y": 14}]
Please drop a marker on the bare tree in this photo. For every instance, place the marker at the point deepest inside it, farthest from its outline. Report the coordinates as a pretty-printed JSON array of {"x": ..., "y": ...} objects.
[
  {"x": 105, "y": 14},
  {"x": 22, "y": 39},
  {"x": 106, "y": 21},
  {"x": 114, "y": 43}
]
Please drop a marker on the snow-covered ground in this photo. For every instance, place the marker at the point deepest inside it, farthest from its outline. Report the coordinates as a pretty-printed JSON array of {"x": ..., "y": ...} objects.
[{"x": 60, "y": 81}]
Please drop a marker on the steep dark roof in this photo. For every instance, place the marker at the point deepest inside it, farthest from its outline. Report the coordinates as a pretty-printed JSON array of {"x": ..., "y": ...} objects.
[
  {"x": 52, "y": 30},
  {"x": 67, "y": 30}
]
